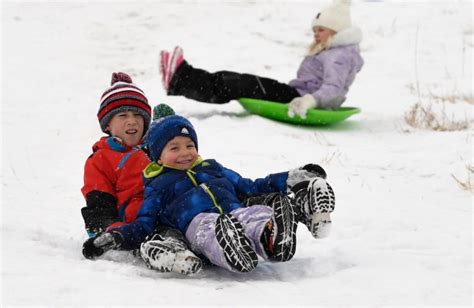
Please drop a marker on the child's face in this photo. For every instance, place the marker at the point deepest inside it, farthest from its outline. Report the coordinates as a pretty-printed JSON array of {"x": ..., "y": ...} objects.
[
  {"x": 180, "y": 152},
  {"x": 321, "y": 35},
  {"x": 128, "y": 126}
]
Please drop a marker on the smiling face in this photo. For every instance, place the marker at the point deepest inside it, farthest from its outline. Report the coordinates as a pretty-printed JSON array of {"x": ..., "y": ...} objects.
[
  {"x": 321, "y": 34},
  {"x": 128, "y": 126},
  {"x": 180, "y": 153}
]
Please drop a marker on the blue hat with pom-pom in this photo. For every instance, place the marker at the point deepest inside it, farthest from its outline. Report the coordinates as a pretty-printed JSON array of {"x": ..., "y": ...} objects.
[{"x": 165, "y": 128}]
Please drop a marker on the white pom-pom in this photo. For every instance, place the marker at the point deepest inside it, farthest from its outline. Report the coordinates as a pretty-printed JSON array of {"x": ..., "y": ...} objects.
[{"x": 341, "y": 2}]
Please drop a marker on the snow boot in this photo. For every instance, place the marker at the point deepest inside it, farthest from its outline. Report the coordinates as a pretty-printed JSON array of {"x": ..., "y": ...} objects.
[
  {"x": 169, "y": 63},
  {"x": 235, "y": 245},
  {"x": 314, "y": 202},
  {"x": 169, "y": 254},
  {"x": 279, "y": 235},
  {"x": 164, "y": 59}
]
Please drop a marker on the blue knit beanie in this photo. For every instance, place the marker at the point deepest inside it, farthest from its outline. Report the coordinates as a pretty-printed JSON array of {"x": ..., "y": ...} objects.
[{"x": 164, "y": 129}]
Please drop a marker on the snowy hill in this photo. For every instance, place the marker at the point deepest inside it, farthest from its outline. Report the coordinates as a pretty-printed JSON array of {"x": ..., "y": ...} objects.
[{"x": 402, "y": 228}]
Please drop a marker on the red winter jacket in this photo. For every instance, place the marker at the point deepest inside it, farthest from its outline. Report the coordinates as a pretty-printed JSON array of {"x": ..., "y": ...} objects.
[{"x": 113, "y": 184}]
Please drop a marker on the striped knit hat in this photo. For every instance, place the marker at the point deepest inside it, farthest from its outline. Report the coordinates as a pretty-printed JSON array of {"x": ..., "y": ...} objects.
[{"x": 122, "y": 96}]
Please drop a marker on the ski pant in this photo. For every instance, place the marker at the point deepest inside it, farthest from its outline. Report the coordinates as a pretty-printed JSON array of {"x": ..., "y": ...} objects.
[
  {"x": 164, "y": 232},
  {"x": 299, "y": 190},
  {"x": 202, "y": 238},
  {"x": 224, "y": 86}
]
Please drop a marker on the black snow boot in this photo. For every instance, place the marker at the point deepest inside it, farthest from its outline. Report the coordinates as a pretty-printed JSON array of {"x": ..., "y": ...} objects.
[{"x": 236, "y": 246}]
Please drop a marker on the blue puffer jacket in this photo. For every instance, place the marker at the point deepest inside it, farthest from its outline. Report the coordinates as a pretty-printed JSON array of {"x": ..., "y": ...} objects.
[{"x": 174, "y": 197}]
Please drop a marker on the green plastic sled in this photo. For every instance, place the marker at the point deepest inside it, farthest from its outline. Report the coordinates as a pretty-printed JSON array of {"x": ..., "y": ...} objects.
[{"x": 279, "y": 112}]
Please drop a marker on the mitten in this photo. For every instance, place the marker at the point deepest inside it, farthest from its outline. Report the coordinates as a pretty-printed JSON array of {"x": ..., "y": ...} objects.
[
  {"x": 96, "y": 246},
  {"x": 301, "y": 105},
  {"x": 304, "y": 173}
]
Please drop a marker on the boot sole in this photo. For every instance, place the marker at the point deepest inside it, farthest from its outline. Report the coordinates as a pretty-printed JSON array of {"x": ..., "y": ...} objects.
[
  {"x": 236, "y": 246},
  {"x": 173, "y": 64},
  {"x": 285, "y": 225},
  {"x": 164, "y": 58},
  {"x": 322, "y": 196},
  {"x": 320, "y": 225}
]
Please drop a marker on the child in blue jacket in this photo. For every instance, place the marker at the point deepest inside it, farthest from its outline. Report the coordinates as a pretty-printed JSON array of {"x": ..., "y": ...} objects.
[{"x": 202, "y": 199}]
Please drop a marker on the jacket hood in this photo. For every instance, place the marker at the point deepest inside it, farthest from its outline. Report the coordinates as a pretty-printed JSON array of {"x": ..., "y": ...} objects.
[
  {"x": 154, "y": 169},
  {"x": 349, "y": 36},
  {"x": 111, "y": 143}
]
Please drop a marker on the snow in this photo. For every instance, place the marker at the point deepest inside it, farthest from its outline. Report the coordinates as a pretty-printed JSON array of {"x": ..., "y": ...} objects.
[{"x": 402, "y": 228}]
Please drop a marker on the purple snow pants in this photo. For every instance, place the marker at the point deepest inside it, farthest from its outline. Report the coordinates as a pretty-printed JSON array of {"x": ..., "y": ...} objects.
[{"x": 201, "y": 232}]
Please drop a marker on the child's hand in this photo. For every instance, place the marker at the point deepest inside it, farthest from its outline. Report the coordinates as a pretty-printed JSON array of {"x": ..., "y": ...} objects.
[
  {"x": 315, "y": 169},
  {"x": 304, "y": 173},
  {"x": 301, "y": 105},
  {"x": 96, "y": 246}
]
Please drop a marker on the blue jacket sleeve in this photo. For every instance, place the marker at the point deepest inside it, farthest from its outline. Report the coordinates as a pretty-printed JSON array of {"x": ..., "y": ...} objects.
[
  {"x": 271, "y": 183},
  {"x": 135, "y": 233}
]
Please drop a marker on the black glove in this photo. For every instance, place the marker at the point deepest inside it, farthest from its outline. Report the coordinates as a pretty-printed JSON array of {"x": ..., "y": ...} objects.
[
  {"x": 96, "y": 246},
  {"x": 316, "y": 169},
  {"x": 304, "y": 173},
  {"x": 100, "y": 212}
]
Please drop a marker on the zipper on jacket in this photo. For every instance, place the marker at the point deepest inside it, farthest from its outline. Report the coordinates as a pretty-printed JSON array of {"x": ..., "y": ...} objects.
[
  {"x": 209, "y": 192},
  {"x": 190, "y": 173},
  {"x": 154, "y": 169}
]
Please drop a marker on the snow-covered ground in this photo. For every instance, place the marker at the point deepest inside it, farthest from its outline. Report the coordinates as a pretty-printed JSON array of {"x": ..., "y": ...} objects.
[{"x": 402, "y": 231}]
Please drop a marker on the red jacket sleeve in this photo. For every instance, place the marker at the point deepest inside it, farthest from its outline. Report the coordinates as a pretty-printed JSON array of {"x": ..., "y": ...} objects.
[
  {"x": 99, "y": 175},
  {"x": 99, "y": 192}
]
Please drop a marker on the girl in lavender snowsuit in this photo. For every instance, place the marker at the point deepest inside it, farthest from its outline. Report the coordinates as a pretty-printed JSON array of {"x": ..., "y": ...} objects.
[{"x": 323, "y": 78}]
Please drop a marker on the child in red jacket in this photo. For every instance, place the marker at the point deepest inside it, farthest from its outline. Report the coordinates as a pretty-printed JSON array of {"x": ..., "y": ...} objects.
[
  {"x": 113, "y": 184},
  {"x": 113, "y": 187}
]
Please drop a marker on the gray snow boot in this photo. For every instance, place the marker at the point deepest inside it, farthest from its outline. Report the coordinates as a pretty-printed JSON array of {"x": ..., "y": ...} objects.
[
  {"x": 314, "y": 202},
  {"x": 169, "y": 254}
]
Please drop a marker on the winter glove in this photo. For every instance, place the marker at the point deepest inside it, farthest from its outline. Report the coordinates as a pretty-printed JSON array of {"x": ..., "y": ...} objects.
[
  {"x": 96, "y": 246},
  {"x": 317, "y": 170},
  {"x": 304, "y": 173},
  {"x": 301, "y": 105},
  {"x": 100, "y": 212}
]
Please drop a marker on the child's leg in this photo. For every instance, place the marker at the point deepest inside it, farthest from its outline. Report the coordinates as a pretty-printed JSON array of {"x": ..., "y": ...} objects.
[
  {"x": 271, "y": 227},
  {"x": 262, "y": 199},
  {"x": 224, "y": 86},
  {"x": 314, "y": 202},
  {"x": 254, "y": 220},
  {"x": 222, "y": 240}
]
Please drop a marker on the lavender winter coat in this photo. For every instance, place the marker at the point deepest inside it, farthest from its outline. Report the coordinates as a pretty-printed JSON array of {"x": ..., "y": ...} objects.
[{"x": 328, "y": 75}]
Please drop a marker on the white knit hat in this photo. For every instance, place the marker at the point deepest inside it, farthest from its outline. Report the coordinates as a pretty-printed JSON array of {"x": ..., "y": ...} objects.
[{"x": 336, "y": 17}]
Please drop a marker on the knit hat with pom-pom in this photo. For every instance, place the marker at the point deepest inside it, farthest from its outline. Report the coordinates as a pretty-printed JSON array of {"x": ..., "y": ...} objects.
[
  {"x": 123, "y": 96},
  {"x": 336, "y": 16},
  {"x": 161, "y": 111}
]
